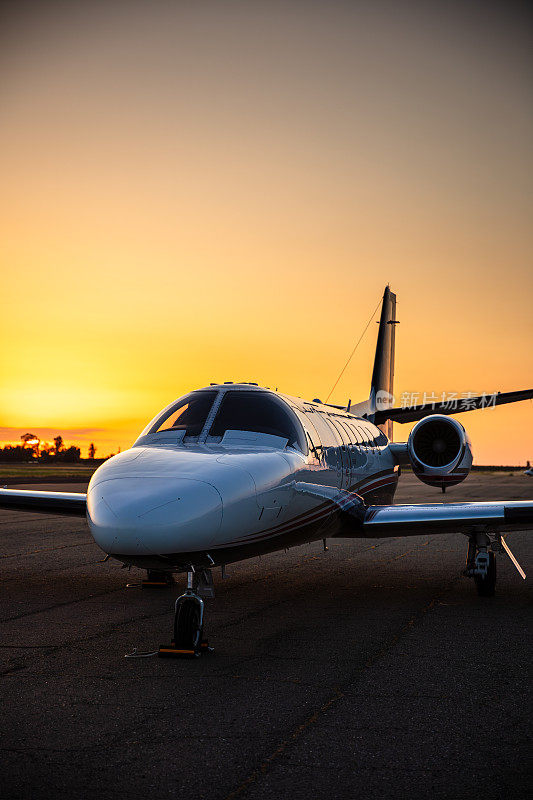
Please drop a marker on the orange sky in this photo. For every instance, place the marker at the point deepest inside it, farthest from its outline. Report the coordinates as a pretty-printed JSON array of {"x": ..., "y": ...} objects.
[{"x": 217, "y": 191}]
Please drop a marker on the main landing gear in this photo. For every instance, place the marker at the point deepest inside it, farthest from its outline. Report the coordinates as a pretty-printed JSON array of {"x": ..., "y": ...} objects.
[
  {"x": 481, "y": 563},
  {"x": 189, "y": 641}
]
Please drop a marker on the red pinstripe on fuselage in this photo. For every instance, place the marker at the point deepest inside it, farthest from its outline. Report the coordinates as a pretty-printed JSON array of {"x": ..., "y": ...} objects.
[{"x": 320, "y": 511}]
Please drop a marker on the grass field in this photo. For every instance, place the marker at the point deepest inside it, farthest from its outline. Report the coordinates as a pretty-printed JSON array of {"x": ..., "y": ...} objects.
[{"x": 43, "y": 473}]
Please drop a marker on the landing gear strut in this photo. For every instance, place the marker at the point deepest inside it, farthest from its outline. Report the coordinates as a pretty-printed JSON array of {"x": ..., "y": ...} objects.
[
  {"x": 481, "y": 561},
  {"x": 188, "y": 640},
  {"x": 481, "y": 564}
]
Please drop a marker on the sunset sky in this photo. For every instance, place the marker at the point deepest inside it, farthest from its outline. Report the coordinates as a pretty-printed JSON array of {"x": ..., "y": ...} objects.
[{"x": 211, "y": 191}]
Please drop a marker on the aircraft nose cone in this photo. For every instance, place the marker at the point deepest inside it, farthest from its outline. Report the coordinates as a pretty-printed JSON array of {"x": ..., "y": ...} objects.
[{"x": 140, "y": 516}]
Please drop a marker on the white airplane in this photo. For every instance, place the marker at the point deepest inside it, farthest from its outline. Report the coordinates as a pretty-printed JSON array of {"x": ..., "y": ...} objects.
[{"x": 233, "y": 471}]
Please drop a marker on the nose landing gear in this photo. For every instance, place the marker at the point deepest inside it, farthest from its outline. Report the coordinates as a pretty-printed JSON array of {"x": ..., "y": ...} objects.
[{"x": 189, "y": 641}]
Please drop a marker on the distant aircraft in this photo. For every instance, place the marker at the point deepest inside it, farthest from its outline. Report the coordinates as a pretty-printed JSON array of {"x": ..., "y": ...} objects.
[{"x": 233, "y": 471}]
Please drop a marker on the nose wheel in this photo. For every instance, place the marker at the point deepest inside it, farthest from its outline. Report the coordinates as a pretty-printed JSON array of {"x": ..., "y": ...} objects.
[
  {"x": 188, "y": 641},
  {"x": 188, "y": 618}
]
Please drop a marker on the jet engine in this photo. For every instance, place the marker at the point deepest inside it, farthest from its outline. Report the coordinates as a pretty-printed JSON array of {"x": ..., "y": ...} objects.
[{"x": 439, "y": 451}]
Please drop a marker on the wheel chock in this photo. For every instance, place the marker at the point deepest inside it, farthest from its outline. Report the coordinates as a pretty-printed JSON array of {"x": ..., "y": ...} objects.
[
  {"x": 158, "y": 584},
  {"x": 171, "y": 651},
  {"x": 157, "y": 580}
]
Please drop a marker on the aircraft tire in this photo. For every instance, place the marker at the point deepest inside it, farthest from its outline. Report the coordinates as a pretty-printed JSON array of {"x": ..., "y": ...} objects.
[
  {"x": 486, "y": 586},
  {"x": 187, "y": 631}
]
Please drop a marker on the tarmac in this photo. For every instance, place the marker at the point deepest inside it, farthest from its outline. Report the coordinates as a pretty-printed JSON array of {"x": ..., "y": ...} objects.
[{"x": 372, "y": 670}]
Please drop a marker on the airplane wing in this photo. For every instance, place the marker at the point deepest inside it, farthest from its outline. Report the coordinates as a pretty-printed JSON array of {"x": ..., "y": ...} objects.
[
  {"x": 358, "y": 519},
  {"x": 414, "y": 413},
  {"x": 68, "y": 503},
  {"x": 420, "y": 518}
]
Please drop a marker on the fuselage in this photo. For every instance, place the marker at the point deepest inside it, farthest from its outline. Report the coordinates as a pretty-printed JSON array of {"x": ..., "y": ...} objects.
[{"x": 211, "y": 479}]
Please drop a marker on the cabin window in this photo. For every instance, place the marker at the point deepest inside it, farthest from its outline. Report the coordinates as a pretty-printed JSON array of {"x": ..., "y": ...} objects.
[
  {"x": 364, "y": 436},
  {"x": 259, "y": 412},
  {"x": 337, "y": 424},
  {"x": 356, "y": 436},
  {"x": 347, "y": 428},
  {"x": 188, "y": 414},
  {"x": 369, "y": 437},
  {"x": 353, "y": 431},
  {"x": 381, "y": 439}
]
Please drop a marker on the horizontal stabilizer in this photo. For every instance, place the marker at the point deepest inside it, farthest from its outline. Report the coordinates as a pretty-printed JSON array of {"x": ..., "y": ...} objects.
[{"x": 414, "y": 413}]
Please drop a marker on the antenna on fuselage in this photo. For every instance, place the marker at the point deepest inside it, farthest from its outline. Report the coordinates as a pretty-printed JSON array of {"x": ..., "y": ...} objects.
[{"x": 341, "y": 373}]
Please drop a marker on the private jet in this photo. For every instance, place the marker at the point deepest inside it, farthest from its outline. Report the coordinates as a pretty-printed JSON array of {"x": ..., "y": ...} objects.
[{"x": 233, "y": 471}]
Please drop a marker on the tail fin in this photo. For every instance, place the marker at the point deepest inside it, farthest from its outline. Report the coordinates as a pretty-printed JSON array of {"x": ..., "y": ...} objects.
[{"x": 382, "y": 386}]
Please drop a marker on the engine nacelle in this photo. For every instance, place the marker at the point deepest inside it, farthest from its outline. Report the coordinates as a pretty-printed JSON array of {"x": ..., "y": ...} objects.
[{"x": 439, "y": 451}]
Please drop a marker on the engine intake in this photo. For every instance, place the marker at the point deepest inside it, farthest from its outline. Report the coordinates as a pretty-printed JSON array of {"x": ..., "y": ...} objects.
[{"x": 439, "y": 450}]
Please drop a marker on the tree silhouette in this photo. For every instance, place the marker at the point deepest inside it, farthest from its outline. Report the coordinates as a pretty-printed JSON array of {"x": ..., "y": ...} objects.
[
  {"x": 58, "y": 441},
  {"x": 33, "y": 441},
  {"x": 69, "y": 455},
  {"x": 92, "y": 450}
]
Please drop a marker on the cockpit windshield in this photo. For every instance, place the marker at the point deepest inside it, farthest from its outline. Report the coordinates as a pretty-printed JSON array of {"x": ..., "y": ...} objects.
[
  {"x": 260, "y": 412},
  {"x": 188, "y": 414}
]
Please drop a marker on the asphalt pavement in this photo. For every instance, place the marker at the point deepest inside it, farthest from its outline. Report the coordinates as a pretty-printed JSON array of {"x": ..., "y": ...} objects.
[{"x": 370, "y": 671}]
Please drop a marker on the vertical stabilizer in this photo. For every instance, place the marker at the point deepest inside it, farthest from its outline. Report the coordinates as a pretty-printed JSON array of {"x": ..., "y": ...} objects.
[{"x": 382, "y": 386}]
